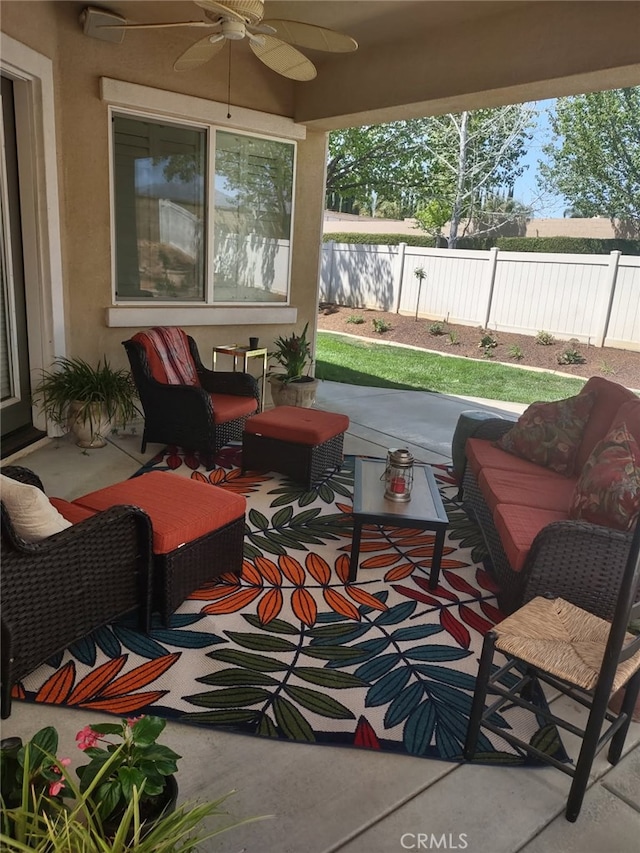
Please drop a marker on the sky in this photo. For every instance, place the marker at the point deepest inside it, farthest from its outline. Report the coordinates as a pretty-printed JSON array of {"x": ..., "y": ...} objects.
[{"x": 525, "y": 188}]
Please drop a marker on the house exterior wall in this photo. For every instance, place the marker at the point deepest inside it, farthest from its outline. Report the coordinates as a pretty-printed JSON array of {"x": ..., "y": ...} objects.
[
  {"x": 597, "y": 226},
  {"x": 82, "y": 130}
]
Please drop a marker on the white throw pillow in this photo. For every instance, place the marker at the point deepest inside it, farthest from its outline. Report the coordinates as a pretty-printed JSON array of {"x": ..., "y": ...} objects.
[{"x": 31, "y": 513}]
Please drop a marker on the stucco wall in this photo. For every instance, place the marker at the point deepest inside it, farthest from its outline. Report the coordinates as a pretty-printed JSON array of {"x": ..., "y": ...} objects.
[
  {"x": 83, "y": 156},
  {"x": 335, "y": 223}
]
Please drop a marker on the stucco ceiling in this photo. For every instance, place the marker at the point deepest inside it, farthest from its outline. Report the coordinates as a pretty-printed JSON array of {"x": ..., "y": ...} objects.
[
  {"x": 420, "y": 57},
  {"x": 370, "y": 22}
]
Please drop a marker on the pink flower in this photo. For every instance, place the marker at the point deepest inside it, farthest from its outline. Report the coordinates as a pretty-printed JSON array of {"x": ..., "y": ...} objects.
[
  {"x": 63, "y": 762},
  {"x": 131, "y": 721},
  {"x": 55, "y": 788},
  {"x": 86, "y": 738}
]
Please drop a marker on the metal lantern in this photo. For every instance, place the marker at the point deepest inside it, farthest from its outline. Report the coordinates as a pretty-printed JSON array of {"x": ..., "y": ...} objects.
[{"x": 398, "y": 475}]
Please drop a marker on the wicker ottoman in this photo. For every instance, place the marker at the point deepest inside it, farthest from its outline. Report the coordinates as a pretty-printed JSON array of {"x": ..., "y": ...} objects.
[
  {"x": 198, "y": 531},
  {"x": 301, "y": 443}
]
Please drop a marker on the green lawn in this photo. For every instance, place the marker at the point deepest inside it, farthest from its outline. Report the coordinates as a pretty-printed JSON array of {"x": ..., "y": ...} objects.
[{"x": 360, "y": 363}]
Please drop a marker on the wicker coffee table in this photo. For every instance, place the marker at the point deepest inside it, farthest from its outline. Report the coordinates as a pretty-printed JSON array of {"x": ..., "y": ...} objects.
[{"x": 424, "y": 511}]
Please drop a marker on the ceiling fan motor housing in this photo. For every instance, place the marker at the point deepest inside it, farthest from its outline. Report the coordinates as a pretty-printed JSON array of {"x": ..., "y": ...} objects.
[
  {"x": 234, "y": 30},
  {"x": 251, "y": 10}
]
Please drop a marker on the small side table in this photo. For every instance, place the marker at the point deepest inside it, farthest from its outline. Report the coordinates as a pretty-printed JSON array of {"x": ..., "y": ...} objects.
[{"x": 241, "y": 355}]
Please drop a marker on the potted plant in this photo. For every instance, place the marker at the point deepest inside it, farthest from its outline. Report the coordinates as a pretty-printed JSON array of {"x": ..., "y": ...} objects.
[
  {"x": 86, "y": 399},
  {"x": 34, "y": 816},
  {"x": 135, "y": 760},
  {"x": 293, "y": 387}
]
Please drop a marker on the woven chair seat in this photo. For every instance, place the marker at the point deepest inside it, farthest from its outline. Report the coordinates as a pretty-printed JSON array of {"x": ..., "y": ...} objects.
[{"x": 564, "y": 640}]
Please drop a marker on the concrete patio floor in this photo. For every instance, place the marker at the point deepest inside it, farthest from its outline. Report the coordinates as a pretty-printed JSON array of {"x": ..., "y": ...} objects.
[{"x": 325, "y": 799}]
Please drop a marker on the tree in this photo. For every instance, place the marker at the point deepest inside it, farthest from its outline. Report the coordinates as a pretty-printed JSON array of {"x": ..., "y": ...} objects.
[
  {"x": 381, "y": 163},
  {"x": 594, "y": 159},
  {"x": 473, "y": 156}
]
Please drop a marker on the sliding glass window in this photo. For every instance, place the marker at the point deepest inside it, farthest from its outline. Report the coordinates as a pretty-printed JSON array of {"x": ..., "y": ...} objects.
[{"x": 167, "y": 211}]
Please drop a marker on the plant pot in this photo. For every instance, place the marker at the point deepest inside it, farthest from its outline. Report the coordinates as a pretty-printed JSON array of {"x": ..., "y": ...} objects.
[
  {"x": 151, "y": 809},
  {"x": 299, "y": 392},
  {"x": 89, "y": 431}
]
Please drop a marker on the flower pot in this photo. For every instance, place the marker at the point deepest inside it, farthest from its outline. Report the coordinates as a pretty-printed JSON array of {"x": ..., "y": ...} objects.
[
  {"x": 89, "y": 431},
  {"x": 299, "y": 392},
  {"x": 151, "y": 809}
]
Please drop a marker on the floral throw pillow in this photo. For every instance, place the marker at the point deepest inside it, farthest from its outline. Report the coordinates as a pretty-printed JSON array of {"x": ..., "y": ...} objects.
[
  {"x": 549, "y": 434},
  {"x": 608, "y": 491}
]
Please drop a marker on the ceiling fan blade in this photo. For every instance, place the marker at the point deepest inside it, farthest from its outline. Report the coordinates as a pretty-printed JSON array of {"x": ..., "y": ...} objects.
[
  {"x": 221, "y": 9},
  {"x": 313, "y": 37},
  {"x": 283, "y": 59},
  {"x": 158, "y": 26},
  {"x": 199, "y": 53}
]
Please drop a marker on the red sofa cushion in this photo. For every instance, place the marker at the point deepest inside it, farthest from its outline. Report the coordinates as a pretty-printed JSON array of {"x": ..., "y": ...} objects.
[
  {"x": 298, "y": 425},
  {"x": 72, "y": 512},
  {"x": 180, "y": 510},
  {"x": 629, "y": 414},
  {"x": 482, "y": 453},
  {"x": 608, "y": 491},
  {"x": 228, "y": 407},
  {"x": 550, "y": 434},
  {"x": 610, "y": 396},
  {"x": 543, "y": 490},
  {"x": 518, "y": 526}
]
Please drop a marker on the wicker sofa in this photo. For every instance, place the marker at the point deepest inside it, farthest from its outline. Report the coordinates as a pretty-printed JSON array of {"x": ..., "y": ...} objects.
[{"x": 523, "y": 510}]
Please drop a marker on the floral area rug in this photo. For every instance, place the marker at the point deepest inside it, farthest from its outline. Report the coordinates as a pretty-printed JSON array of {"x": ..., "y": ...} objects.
[{"x": 292, "y": 650}]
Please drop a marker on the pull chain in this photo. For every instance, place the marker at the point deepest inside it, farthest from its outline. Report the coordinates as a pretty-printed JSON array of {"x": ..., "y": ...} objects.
[{"x": 229, "y": 85}]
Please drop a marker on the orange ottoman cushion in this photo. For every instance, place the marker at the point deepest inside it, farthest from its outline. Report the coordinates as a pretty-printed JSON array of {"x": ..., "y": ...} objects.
[
  {"x": 180, "y": 510},
  {"x": 298, "y": 425}
]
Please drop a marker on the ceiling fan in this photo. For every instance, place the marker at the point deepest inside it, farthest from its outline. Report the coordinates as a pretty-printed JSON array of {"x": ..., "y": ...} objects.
[{"x": 232, "y": 20}]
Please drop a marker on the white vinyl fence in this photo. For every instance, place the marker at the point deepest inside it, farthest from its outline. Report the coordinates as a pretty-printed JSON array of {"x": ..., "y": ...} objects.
[{"x": 593, "y": 298}]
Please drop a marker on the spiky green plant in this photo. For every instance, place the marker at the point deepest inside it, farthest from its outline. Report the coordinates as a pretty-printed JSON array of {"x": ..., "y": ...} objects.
[{"x": 74, "y": 379}]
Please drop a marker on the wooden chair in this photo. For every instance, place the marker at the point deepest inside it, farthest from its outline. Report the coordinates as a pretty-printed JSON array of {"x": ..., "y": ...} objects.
[{"x": 578, "y": 652}]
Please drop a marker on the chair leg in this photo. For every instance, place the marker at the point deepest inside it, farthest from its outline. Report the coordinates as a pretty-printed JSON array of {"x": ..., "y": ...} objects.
[
  {"x": 5, "y": 700},
  {"x": 628, "y": 704},
  {"x": 587, "y": 754},
  {"x": 143, "y": 446},
  {"x": 480, "y": 695}
]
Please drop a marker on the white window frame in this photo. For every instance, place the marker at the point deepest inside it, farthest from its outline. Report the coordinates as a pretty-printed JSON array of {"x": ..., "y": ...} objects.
[{"x": 156, "y": 104}]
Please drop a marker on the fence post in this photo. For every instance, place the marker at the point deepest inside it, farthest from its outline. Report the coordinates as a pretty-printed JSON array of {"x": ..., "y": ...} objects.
[
  {"x": 397, "y": 284},
  {"x": 493, "y": 263},
  {"x": 331, "y": 244},
  {"x": 610, "y": 289}
]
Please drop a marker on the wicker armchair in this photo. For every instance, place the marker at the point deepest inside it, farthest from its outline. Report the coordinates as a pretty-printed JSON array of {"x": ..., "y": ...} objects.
[
  {"x": 58, "y": 590},
  {"x": 574, "y": 560},
  {"x": 191, "y": 416}
]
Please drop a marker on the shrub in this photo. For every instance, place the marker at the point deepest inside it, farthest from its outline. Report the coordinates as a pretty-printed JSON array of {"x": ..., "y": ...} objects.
[
  {"x": 571, "y": 356},
  {"x": 545, "y": 339},
  {"x": 568, "y": 245},
  {"x": 454, "y": 339},
  {"x": 355, "y": 318},
  {"x": 516, "y": 352},
  {"x": 436, "y": 329},
  {"x": 380, "y": 326},
  {"x": 487, "y": 341},
  {"x": 418, "y": 239}
]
